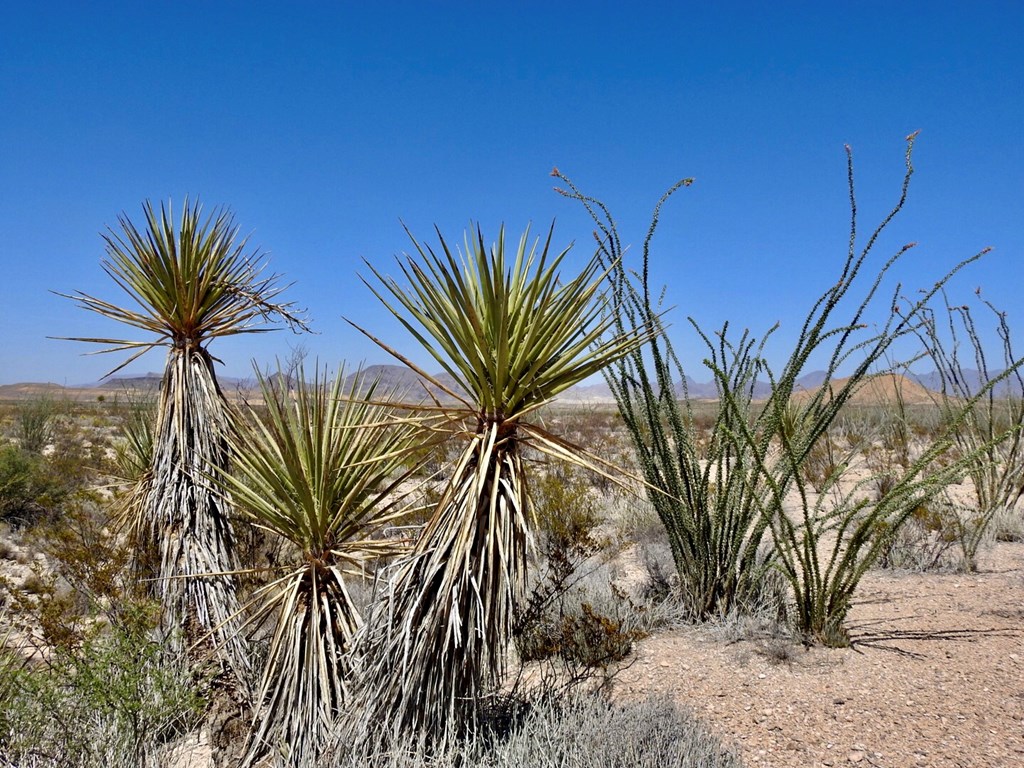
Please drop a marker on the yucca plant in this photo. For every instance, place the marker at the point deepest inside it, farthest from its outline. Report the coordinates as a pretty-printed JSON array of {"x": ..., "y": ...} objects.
[
  {"x": 512, "y": 335},
  {"x": 321, "y": 467},
  {"x": 188, "y": 282},
  {"x": 132, "y": 472}
]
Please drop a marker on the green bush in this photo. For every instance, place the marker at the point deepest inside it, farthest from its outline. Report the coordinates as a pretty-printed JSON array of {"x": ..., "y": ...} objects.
[
  {"x": 109, "y": 702},
  {"x": 34, "y": 423},
  {"x": 29, "y": 490}
]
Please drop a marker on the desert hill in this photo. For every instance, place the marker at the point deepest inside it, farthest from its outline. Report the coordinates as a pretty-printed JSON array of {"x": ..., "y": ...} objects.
[{"x": 880, "y": 389}]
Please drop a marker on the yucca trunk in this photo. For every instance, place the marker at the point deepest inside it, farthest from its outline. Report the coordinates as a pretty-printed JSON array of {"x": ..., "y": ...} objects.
[
  {"x": 440, "y": 636},
  {"x": 187, "y": 522},
  {"x": 310, "y": 652}
]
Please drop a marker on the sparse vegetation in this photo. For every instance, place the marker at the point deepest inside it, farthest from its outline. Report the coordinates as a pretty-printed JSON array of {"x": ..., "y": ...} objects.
[
  {"x": 555, "y": 539},
  {"x": 989, "y": 432},
  {"x": 35, "y": 422},
  {"x": 581, "y": 732},
  {"x": 111, "y": 700},
  {"x": 718, "y": 502}
]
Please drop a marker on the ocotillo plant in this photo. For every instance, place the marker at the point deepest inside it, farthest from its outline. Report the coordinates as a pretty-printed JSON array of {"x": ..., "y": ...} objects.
[
  {"x": 717, "y": 504},
  {"x": 988, "y": 430}
]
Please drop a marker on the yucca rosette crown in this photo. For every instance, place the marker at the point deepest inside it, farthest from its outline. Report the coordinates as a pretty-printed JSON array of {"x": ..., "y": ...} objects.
[
  {"x": 188, "y": 282},
  {"x": 321, "y": 464},
  {"x": 509, "y": 331}
]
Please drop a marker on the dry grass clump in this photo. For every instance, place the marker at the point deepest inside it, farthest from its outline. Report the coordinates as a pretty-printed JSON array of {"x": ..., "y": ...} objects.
[{"x": 580, "y": 732}]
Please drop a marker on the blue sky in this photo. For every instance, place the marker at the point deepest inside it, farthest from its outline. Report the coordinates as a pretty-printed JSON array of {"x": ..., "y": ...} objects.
[{"x": 323, "y": 125}]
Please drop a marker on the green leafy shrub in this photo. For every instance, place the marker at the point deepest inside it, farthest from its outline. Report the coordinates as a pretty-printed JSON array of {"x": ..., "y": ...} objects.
[
  {"x": 29, "y": 489},
  {"x": 109, "y": 703},
  {"x": 34, "y": 423}
]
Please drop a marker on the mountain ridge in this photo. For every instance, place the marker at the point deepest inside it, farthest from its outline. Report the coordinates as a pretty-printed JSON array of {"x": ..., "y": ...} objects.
[{"x": 405, "y": 383}]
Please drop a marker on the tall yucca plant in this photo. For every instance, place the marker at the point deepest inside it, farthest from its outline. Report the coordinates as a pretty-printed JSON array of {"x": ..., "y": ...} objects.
[
  {"x": 512, "y": 335},
  {"x": 188, "y": 282},
  {"x": 321, "y": 468}
]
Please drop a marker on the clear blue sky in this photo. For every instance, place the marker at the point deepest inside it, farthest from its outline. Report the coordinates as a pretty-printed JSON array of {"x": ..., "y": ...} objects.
[{"x": 321, "y": 125}]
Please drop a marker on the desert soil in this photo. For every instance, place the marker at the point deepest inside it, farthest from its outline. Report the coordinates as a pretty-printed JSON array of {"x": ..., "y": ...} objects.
[{"x": 935, "y": 677}]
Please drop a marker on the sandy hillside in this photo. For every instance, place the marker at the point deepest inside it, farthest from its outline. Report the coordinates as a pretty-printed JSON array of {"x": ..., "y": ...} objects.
[{"x": 883, "y": 389}]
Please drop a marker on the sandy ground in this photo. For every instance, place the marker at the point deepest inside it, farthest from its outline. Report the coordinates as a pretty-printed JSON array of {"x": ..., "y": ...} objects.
[{"x": 935, "y": 677}]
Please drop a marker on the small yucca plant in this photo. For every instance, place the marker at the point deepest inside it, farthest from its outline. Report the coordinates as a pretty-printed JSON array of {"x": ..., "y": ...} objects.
[
  {"x": 132, "y": 464},
  {"x": 512, "y": 335},
  {"x": 188, "y": 282},
  {"x": 320, "y": 467}
]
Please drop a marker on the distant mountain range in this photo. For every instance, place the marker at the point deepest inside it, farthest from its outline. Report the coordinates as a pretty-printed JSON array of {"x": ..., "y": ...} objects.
[
  {"x": 698, "y": 390},
  {"x": 407, "y": 384}
]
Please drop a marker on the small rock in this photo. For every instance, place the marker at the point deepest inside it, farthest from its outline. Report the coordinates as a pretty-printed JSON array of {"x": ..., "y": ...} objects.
[{"x": 856, "y": 755}]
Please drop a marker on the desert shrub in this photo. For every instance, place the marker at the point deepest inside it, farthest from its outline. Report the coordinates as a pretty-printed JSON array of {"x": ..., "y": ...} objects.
[
  {"x": 926, "y": 541},
  {"x": 821, "y": 463},
  {"x": 564, "y": 617},
  {"x": 100, "y": 691},
  {"x": 34, "y": 423},
  {"x": 109, "y": 702},
  {"x": 566, "y": 518},
  {"x": 29, "y": 488},
  {"x": 1008, "y": 525},
  {"x": 587, "y": 627},
  {"x": 585, "y": 636},
  {"x": 580, "y": 732},
  {"x": 946, "y": 535}
]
